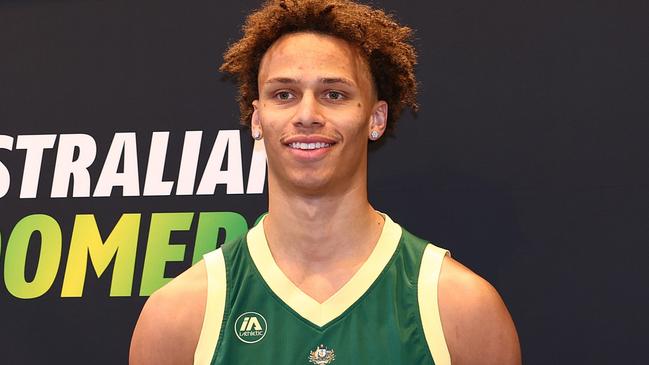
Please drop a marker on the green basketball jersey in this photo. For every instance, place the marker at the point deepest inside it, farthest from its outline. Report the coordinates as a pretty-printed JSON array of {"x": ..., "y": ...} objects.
[{"x": 386, "y": 314}]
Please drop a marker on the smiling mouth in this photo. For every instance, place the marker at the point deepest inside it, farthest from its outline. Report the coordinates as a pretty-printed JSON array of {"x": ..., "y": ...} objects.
[{"x": 308, "y": 146}]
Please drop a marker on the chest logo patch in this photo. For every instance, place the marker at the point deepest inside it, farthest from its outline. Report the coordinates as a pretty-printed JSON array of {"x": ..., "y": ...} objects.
[
  {"x": 250, "y": 327},
  {"x": 322, "y": 355}
]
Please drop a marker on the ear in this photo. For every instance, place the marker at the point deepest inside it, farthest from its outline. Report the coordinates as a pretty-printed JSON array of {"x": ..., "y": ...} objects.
[
  {"x": 379, "y": 118},
  {"x": 255, "y": 120}
]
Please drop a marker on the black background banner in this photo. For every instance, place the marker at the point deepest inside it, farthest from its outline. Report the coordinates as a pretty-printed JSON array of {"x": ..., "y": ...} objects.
[{"x": 528, "y": 159}]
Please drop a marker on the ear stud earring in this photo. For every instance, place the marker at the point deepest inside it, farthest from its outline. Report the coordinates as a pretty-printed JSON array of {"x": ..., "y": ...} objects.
[
  {"x": 374, "y": 135},
  {"x": 256, "y": 135}
]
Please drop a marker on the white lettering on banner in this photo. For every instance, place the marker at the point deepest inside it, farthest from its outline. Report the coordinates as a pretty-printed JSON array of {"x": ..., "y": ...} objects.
[
  {"x": 124, "y": 147},
  {"x": 257, "y": 175},
  {"x": 34, "y": 146},
  {"x": 153, "y": 184},
  {"x": 76, "y": 153},
  {"x": 232, "y": 177},
  {"x": 67, "y": 167},
  {"x": 189, "y": 162},
  {"x": 6, "y": 143}
]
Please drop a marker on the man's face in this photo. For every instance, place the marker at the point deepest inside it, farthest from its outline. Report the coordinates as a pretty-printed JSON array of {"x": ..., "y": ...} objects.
[{"x": 316, "y": 108}]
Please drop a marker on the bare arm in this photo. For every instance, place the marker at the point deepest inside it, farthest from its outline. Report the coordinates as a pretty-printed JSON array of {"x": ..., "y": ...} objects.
[
  {"x": 170, "y": 323},
  {"x": 477, "y": 326}
]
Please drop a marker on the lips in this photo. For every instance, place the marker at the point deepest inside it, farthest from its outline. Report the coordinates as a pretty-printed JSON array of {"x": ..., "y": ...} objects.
[
  {"x": 311, "y": 146},
  {"x": 309, "y": 142}
]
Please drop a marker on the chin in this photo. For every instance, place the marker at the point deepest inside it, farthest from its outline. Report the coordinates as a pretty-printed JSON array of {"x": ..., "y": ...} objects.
[
  {"x": 312, "y": 181},
  {"x": 310, "y": 185}
]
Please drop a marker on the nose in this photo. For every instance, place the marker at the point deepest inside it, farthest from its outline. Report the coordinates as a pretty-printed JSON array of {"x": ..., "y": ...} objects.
[{"x": 308, "y": 113}]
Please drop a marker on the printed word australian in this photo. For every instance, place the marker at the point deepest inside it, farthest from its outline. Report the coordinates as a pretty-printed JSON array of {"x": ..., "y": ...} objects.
[{"x": 76, "y": 153}]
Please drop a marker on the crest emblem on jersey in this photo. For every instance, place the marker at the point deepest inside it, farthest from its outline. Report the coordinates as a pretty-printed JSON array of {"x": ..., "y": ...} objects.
[
  {"x": 250, "y": 327},
  {"x": 322, "y": 355}
]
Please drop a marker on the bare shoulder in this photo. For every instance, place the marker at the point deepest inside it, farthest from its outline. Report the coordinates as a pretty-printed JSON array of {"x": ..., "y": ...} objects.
[
  {"x": 170, "y": 322},
  {"x": 477, "y": 326}
]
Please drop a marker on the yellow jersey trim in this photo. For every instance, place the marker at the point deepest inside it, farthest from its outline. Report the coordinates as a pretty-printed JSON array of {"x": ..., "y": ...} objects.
[
  {"x": 322, "y": 313},
  {"x": 214, "y": 308},
  {"x": 427, "y": 287}
]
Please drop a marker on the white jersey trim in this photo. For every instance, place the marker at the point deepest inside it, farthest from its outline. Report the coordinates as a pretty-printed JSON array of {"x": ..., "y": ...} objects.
[
  {"x": 427, "y": 287},
  {"x": 214, "y": 308},
  {"x": 308, "y": 308}
]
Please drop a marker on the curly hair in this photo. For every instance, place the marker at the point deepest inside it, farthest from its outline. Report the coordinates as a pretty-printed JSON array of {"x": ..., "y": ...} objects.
[{"x": 384, "y": 43}]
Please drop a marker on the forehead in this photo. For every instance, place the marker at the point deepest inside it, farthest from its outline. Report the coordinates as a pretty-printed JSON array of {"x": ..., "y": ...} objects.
[{"x": 302, "y": 55}]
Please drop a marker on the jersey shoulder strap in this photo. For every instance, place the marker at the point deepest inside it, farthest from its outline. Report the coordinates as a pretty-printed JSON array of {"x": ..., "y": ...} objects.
[
  {"x": 214, "y": 308},
  {"x": 427, "y": 288}
]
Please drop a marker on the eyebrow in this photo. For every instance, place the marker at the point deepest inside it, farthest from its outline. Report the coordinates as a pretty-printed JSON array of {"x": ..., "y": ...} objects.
[
  {"x": 282, "y": 80},
  {"x": 323, "y": 80}
]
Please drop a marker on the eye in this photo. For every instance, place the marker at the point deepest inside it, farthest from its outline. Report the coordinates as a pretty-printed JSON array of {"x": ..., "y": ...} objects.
[
  {"x": 334, "y": 95},
  {"x": 284, "y": 95}
]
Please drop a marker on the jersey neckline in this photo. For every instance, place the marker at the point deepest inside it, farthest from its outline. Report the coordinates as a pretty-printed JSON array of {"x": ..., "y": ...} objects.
[{"x": 308, "y": 308}]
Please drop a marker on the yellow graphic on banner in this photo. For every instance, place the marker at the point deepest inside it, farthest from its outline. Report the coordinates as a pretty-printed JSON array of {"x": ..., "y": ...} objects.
[{"x": 116, "y": 253}]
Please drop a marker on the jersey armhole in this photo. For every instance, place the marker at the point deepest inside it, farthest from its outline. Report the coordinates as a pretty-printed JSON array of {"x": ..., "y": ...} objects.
[
  {"x": 427, "y": 287},
  {"x": 214, "y": 308}
]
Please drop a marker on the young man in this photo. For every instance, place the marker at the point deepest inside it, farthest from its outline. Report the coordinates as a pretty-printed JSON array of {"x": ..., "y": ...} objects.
[{"x": 324, "y": 277}]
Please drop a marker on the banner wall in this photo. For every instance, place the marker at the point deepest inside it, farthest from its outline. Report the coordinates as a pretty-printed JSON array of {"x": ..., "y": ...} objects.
[{"x": 122, "y": 161}]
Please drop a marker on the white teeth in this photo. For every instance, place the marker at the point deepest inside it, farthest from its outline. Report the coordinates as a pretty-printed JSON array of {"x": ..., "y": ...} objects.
[{"x": 308, "y": 146}]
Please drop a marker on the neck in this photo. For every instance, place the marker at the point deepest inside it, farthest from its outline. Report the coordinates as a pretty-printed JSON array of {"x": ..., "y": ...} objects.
[
  {"x": 319, "y": 240},
  {"x": 321, "y": 231}
]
